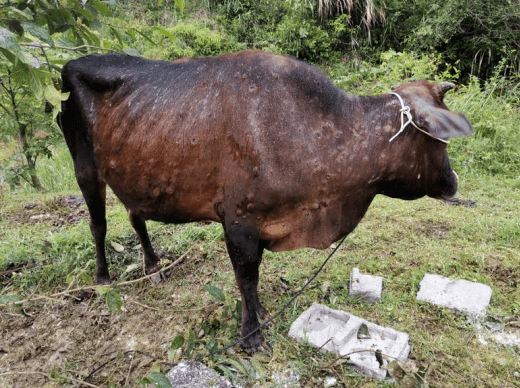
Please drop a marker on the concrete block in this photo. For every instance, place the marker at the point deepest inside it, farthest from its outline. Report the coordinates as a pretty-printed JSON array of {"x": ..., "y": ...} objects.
[
  {"x": 460, "y": 295},
  {"x": 345, "y": 334},
  {"x": 196, "y": 375},
  {"x": 366, "y": 287}
]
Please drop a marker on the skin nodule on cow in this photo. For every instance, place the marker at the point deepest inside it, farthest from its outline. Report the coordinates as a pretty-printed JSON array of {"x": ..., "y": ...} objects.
[{"x": 262, "y": 143}]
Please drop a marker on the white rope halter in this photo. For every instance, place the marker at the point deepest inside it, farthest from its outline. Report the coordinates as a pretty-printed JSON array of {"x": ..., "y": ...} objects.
[{"x": 406, "y": 110}]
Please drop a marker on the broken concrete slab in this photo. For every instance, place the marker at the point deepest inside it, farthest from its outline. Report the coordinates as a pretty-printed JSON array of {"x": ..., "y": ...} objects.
[
  {"x": 460, "y": 295},
  {"x": 196, "y": 375},
  {"x": 365, "y": 287},
  {"x": 345, "y": 334}
]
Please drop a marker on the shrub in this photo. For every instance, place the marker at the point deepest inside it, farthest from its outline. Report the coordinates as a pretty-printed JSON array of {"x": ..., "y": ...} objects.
[{"x": 494, "y": 112}]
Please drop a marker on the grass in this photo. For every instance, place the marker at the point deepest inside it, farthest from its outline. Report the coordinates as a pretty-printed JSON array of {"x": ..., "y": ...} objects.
[{"x": 50, "y": 244}]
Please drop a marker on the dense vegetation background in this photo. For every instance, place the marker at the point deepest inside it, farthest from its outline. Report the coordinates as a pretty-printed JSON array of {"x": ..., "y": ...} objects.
[{"x": 365, "y": 47}]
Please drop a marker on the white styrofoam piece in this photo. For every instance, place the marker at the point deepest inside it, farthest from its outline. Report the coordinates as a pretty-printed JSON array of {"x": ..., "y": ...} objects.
[
  {"x": 366, "y": 287},
  {"x": 460, "y": 295},
  {"x": 337, "y": 331}
]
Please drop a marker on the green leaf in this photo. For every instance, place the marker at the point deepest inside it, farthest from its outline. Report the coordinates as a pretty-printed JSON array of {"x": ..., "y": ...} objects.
[
  {"x": 131, "y": 51},
  {"x": 90, "y": 36},
  {"x": 54, "y": 96},
  {"x": 236, "y": 364},
  {"x": 262, "y": 357},
  {"x": 8, "y": 54},
  {"x": 87, "y": 16},
  {"x": 35, "y": 84},
  {"x": 177, "y": 342},
  {"x": 159, "y": 380},
  {"x": 38, "y": 32},
  {"x": 145, "y": 36},
  {"x": 102, "y": 8},
  {"x": 259, "y": 368},
  {"x": 24, "y": 14},
  {"x": 102, "y": 290},
  {"x": 15, "y": 26},
  {"x": 166, "y": 33},
  {"x": 114, "y": 301},
  {"x": 118, "y": 36},
  {"x": 8, "y": 40},
  {"x": 238, "y": 310},
  {"x": 215, "y": 292},
  {"x": 180, "y": 5},
  {"x": 10, "y": 298},
  {"x": 25, "y": 57},
  {"x": 191, "y": 343},
  {"x": 87, "y": 279},
  {"x": 59, "y": 19}
]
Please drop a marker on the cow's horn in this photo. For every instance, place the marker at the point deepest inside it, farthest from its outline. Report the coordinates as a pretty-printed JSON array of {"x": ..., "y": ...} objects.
[{"x": 443, "y": 87}]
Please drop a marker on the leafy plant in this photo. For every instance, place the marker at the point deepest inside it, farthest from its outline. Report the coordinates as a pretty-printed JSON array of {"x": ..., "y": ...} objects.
[
  {"x": 492, "y": 149},
  {"x": 194, "y": 40},
  {"x": 28, "y": 73}
]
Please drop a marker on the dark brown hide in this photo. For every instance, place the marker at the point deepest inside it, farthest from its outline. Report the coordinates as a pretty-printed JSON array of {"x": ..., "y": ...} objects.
[{"x": 262, "y": 143}]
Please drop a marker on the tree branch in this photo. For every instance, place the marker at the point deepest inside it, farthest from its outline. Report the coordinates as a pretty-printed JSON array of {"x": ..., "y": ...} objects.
[
  {"x": 37, "y": 45},
  {"x": 6, "y": 110}
]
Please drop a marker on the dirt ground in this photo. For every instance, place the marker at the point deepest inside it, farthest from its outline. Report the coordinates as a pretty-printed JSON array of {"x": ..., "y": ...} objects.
[
  {"x": 72, "y": 340},
  {"x": 75, "y": 338}
]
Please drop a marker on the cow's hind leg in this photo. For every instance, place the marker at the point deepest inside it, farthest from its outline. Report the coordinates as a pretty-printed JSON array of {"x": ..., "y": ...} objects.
[
  {"x": 245, "y": 250},
  {"x": 150, "y": 258},
  {"x": 93, "y": 188}
]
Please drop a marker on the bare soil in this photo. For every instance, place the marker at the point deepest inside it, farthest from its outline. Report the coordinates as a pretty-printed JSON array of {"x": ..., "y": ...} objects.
[{"x": 74, "y": 339}]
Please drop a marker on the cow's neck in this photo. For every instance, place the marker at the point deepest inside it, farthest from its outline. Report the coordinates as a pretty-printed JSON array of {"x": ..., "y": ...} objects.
[{"x": 378, "y": 163}]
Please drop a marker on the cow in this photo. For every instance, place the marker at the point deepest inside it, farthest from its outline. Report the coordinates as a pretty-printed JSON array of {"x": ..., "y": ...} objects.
[{"x": 262, "y": 143}]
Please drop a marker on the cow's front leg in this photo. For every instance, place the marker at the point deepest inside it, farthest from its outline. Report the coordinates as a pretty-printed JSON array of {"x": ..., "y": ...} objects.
[{"x": 245, "y": 250}]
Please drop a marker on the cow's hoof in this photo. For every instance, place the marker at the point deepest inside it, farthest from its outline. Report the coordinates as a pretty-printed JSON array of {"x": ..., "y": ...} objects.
[
  {"x": 103, "y": 280},
  {"x": 254, "y": 343},
  {"x": 157, "y": 276}
]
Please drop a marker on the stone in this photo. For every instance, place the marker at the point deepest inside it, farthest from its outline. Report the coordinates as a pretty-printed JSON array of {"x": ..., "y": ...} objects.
[
  {"x": 345, "y": 334},
  {"x": 196, "y": 375},
  {"x": 459, "y": 295},
  {"x": 365, "y": 287}
]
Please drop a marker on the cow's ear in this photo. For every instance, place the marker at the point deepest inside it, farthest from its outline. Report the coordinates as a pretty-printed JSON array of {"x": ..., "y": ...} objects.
[{"x": 445, "y": 124}]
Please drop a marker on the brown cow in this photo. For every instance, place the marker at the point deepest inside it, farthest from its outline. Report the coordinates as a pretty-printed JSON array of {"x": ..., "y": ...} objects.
[{"x": 262, "y": 143}]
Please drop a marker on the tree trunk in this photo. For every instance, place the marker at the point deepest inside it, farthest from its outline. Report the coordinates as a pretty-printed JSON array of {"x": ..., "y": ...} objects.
[{"x": 31, "y": 161}]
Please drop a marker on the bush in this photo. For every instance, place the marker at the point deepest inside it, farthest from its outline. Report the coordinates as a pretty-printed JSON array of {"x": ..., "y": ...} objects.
[
  {"x": 196, "y": 40},
  {"x": 394, "y": 68},
  {"x": 293, "y": 28},
  {"x": 494, "y": 112}
]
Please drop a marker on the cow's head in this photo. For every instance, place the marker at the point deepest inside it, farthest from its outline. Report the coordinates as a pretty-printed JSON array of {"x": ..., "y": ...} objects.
[{"x": 425, "y": 167}]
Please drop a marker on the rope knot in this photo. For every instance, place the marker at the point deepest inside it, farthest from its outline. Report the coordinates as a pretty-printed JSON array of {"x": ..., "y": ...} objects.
[{"x": 405, "y": 110}]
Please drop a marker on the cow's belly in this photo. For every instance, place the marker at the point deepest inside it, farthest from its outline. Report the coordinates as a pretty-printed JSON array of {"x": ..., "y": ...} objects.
[
  {"x": 153, "y": 199},
  {"x": 315, "y": 225}
]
